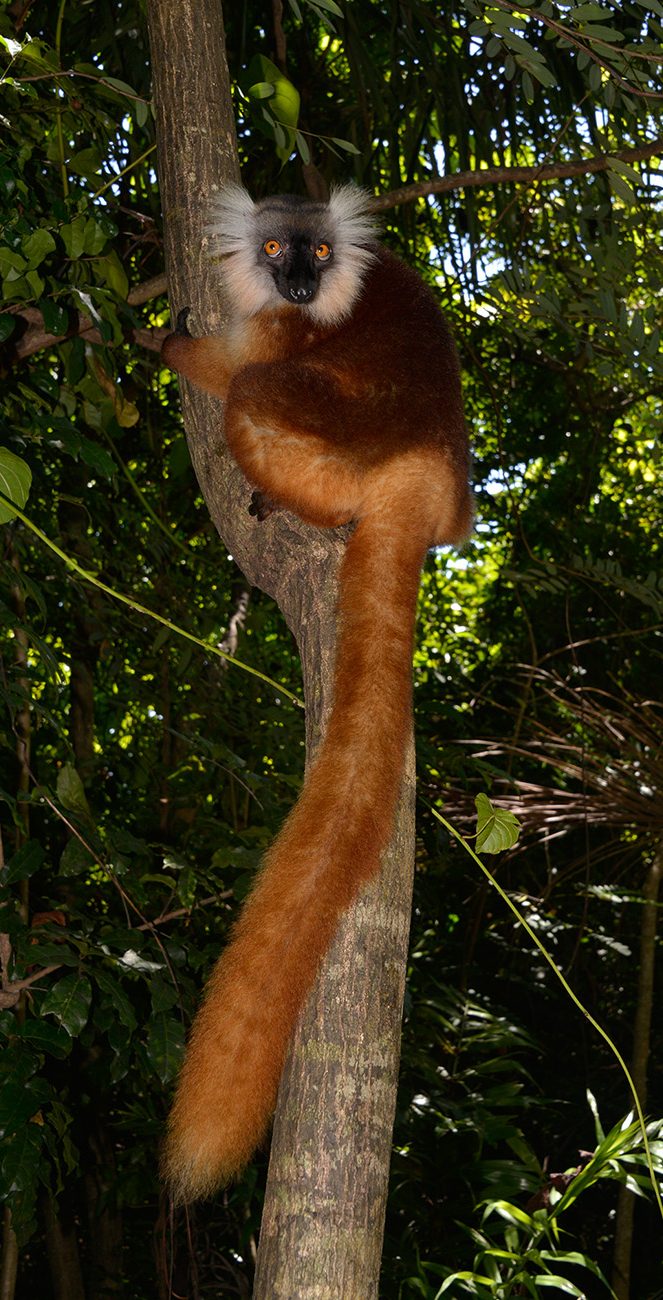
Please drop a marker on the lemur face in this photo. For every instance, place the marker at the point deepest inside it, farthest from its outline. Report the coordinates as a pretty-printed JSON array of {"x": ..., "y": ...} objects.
[{"x": 287, "y": 250}]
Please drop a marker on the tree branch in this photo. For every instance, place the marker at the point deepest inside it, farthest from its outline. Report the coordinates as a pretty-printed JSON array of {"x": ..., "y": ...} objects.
[
  {"x": 519, "y": 175},
  {"x": 10, "y": 990},
  {"x": 36, "y": 337}
]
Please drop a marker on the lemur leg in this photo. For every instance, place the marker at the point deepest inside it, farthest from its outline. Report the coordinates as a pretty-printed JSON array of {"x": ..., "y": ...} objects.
[
  {"x": 293, "y": 469},
  {"x": 206, "y": 362}
]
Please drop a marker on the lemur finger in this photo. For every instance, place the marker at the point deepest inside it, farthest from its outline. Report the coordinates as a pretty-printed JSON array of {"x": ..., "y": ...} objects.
[
  {"x": 261, "y": 506},
  {"x": 181, "y": 326}
]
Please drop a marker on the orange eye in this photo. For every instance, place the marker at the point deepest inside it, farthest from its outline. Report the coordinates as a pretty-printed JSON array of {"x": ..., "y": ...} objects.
[
  {"x": 272, "y": 247},
  {"x": 323, "y": 252}
]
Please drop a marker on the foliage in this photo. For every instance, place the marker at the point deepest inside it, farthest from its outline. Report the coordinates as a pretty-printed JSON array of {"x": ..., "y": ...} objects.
[
  {"x": 141, "y": 778},
  {"x": 520, "y": 1251}
]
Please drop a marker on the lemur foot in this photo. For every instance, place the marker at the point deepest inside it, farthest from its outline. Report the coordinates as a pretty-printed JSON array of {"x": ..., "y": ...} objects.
[{"x": 261, "y": 506}]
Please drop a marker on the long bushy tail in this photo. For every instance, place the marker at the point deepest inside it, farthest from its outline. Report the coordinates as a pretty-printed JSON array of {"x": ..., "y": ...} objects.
[{"x": 328, "y": 848}]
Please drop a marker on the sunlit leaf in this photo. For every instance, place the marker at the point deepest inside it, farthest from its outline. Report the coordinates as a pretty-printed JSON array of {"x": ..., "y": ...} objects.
[
  {"x": 71, "y": 792},
  {"x": 15, "y": 481},
  {"x": 497, "y": 828}
]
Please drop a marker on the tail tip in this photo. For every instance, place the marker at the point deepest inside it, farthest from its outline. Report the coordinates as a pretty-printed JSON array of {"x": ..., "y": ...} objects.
[{"x": 192, "y": 1175}]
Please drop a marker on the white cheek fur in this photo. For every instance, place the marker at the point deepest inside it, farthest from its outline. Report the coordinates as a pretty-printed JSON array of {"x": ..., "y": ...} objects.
[
  {"x": 340, "y": 286},
  {"x": 251, "y": 289}
]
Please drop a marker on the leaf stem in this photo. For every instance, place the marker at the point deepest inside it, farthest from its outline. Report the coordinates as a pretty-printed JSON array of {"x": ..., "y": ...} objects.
[
  {"x": 85, "y": 574},
  {"x": 58, "y": 121},
  {"x": 116, "y": 175}
]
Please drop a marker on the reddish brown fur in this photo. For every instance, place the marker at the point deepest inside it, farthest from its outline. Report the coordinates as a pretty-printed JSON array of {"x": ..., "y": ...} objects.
[{"x": 361, "y": 421}]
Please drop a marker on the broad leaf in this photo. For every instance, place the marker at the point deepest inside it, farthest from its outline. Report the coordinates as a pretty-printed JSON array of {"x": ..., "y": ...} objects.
[
  {"x": 15, "y": 480},
  {"x": 497, "y": 829},
  {"x": 69, "y": 1001}
]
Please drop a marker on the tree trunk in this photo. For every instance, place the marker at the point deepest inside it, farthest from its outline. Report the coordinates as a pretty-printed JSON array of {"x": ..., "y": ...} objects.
[
  {"x": 324, "y": 1211},
  {"x": 621, "y": 1264},
  {"x": 62, "y": 1248},
  {"x": 322, "y": 1226},
  {"x": 9, "y": 1265}
]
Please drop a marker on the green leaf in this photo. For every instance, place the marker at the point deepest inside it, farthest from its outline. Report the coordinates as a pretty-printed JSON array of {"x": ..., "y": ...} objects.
[
  {"x": 46, "y": 1037},
  {"x": 56, "y": 320},
  {"x": 625, "y": 169},
  {"x": 186, "y": 886},
  {"x": 587, "y": 13},
  {"x": 86, "y": 163},
  {"x": 69, "y": 1001},
  {"x": 598, "y": 1127},
  {"x": 36, "y": 283},
  {"x": 15, "y": 481},
  {"x": 285, "y": 101},
  {"x": 97, "y": 457},
  {"x": 121, "y": 86},
  {"x": 560, "y": 1283},
  {"x": 71, "y": 793},
  {"x": 528, "y": 88},
  {"x": 621, "y": 188},
  {"x": 73, "y": 237},
  {"x": 115, "y": 993},
  {"x": 465, "y": 1276},
  {"x": 38, "y": 246},
  {"x": 281, "y": 121},
  {"x": 12, "y": 265},
  {"x": 497, "y": 829},
  {"x": 573, "y": 1257},
  {"x": 511, "y": 1213},
  {"x": 24, "y": 863},
  {"x": 541, "y": 73},
  {"x": 518, "y": 44},
  {"x": 165, "y": 1046},
  {"x": 96, "y": 236},
  {"x": 126, "y": 413},
  {"x": 347, "y": 145},
  {"x": 594, "y": 31},
  {"x": 20, "y": 1101},
  {"x": 280, "y": 136},
  {"x": 21, "y": 1159},
  {"x": 7, "y": 182},
  {"x": 261, "y": 90},
  {"x": 114, "y": 274},
  {"x": 595, "y": 77},
  {"x": 75, "y": 858},
  {"x": 16, "y": 287},
  {"x": 7, "y": 325}
]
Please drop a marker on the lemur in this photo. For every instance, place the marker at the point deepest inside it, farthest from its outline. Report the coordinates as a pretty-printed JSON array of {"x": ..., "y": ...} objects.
[{"x": 342, "y": 403}]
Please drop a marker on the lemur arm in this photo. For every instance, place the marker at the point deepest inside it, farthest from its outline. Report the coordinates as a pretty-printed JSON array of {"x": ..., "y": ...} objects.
[{"x": 207, "y": 362}]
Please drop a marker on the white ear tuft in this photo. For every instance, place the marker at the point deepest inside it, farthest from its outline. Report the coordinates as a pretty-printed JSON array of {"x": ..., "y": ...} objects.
[
  {"x": 231, "y": 218},
  {"x": 349, "y": 207}
]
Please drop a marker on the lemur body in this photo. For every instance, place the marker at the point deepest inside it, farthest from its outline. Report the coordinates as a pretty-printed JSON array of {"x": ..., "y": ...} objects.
[{"x": 343, "y": 403}]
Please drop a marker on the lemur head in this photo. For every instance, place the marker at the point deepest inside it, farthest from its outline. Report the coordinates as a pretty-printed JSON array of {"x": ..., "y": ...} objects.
[{"x": 287, "y": 250}]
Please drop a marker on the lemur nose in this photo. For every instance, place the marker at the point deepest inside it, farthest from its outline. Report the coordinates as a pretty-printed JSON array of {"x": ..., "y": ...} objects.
[{"x": 300, "y": 293}]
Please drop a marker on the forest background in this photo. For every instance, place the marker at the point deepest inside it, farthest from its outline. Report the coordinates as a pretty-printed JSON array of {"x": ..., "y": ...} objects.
[{"x": 142, "y": 775}]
